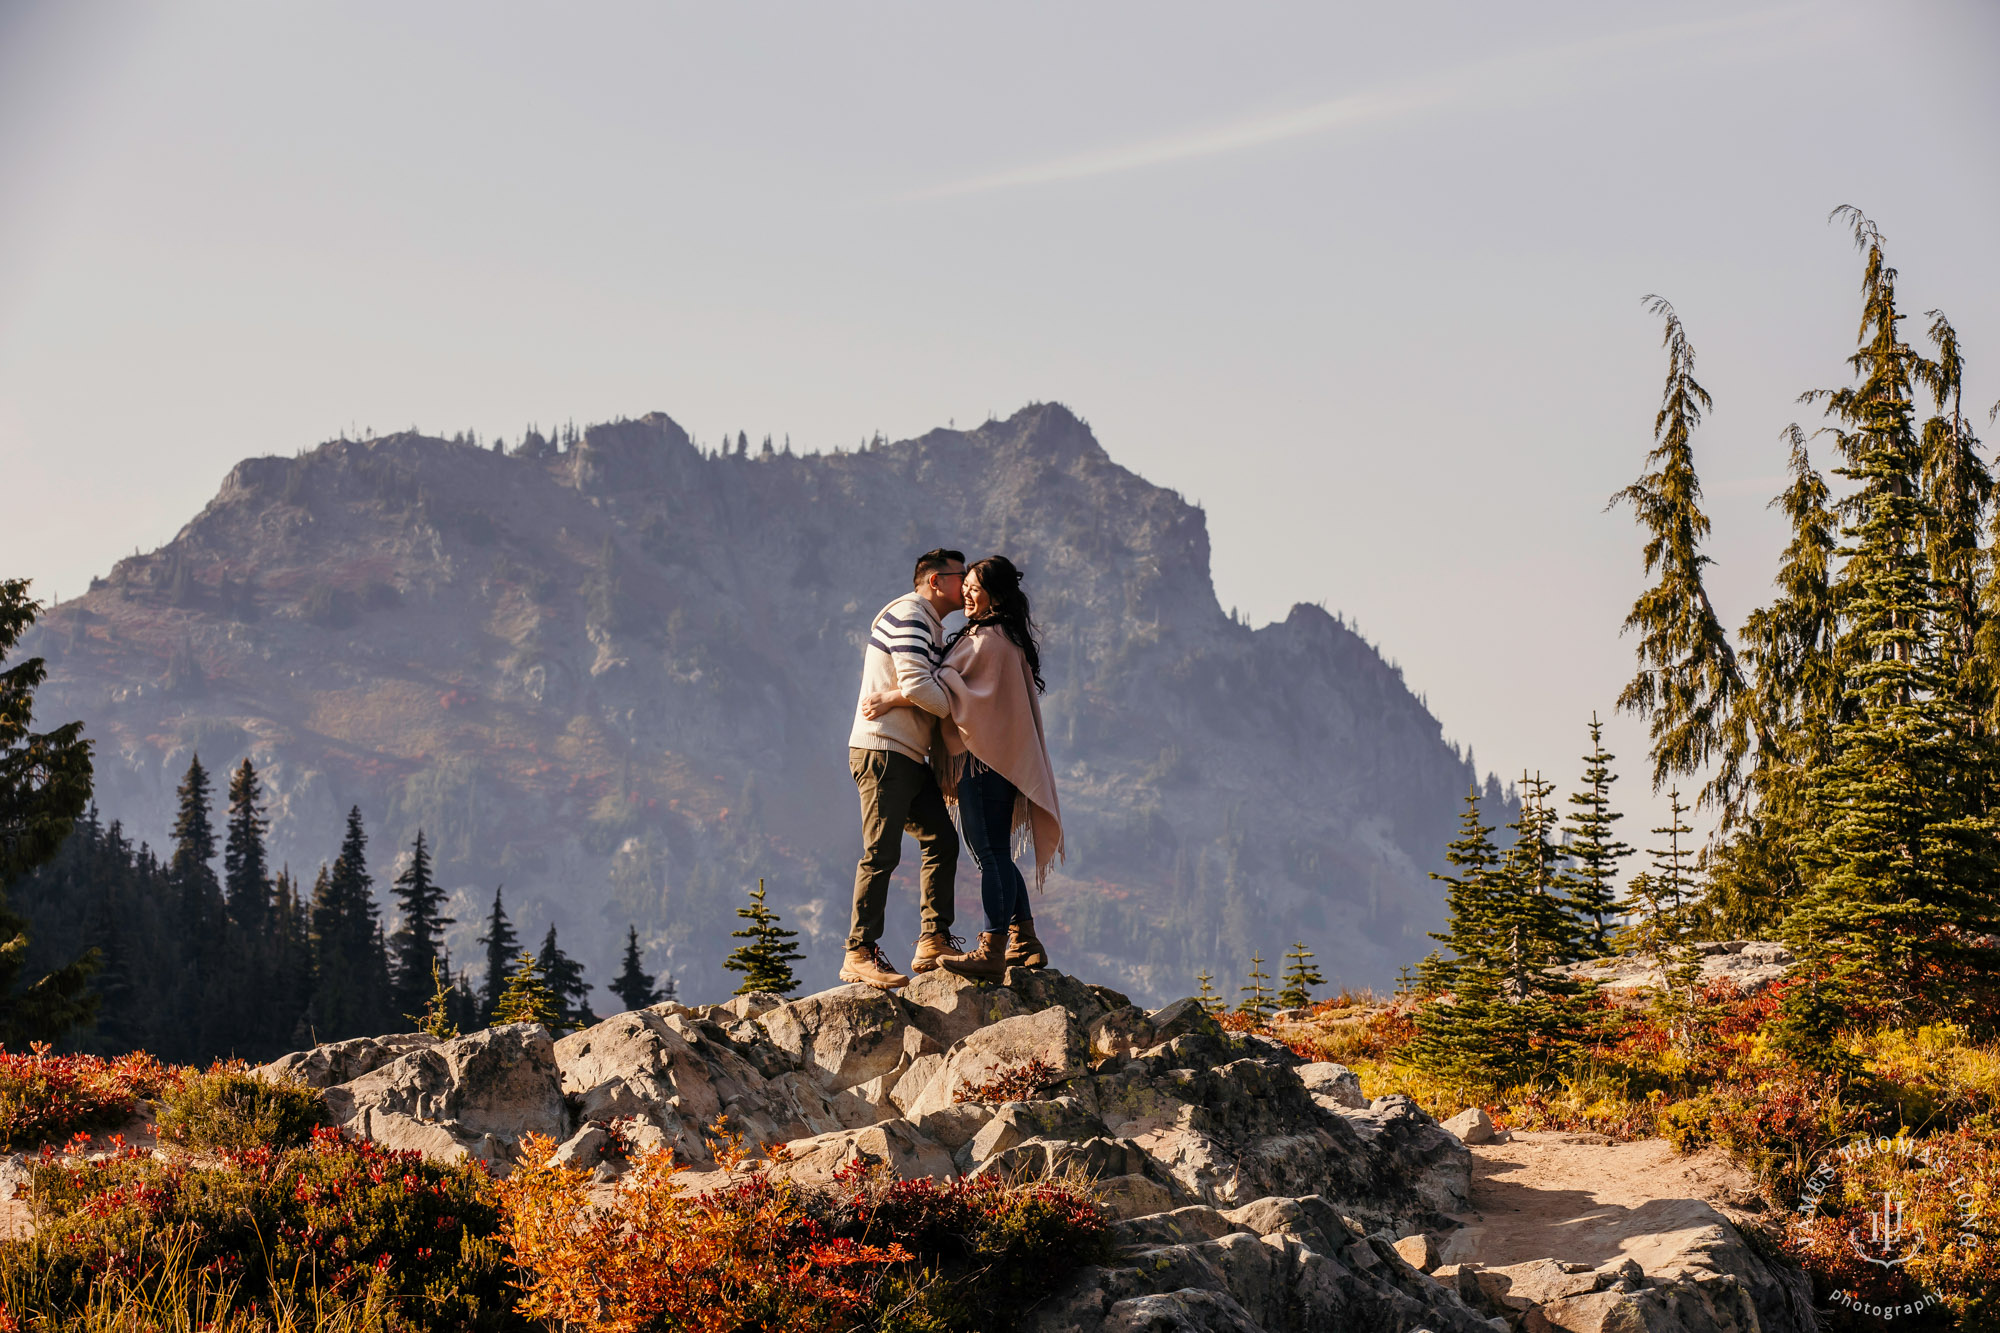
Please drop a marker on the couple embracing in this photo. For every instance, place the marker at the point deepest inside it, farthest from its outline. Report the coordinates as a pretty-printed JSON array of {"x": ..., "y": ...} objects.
[{"x": 945, "y": 722}]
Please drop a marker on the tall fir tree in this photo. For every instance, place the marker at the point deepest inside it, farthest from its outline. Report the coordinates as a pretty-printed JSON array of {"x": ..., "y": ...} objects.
[
  {"x": 417, "y": 947},
  {"x": 350, "y": 963},
  {"x": 563, "y": 976},
  {"x": 1958, "y": 491},
  {"x": 1530, "y": 912},
  {"x": 1594, "y": 849},
  {"x": 1903, "y": 871},
  {"x": 44, "y": 788},
  {"x": 192, "y": 866},
  {"x": 1796, "y": 695},
  {"x": 634, "y": 986},
  {"x": 766, "y": 961},
  {"x": 246, "y": 874},
  {"x": 211, "y": 977},
  {"x": 1504, "y": 1017},
  {"x": 1688, "y": 677},
  {"x": 501, "y": 945},
  {"x": 1470, "y": 931}
]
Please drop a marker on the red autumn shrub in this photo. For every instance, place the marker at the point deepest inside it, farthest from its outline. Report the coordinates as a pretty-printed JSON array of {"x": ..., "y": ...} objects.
[{"x": 46, "y": 1098}]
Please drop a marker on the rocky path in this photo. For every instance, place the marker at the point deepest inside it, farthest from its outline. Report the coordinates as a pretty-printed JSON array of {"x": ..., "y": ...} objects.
[{"x": 1586, "y": 1199}]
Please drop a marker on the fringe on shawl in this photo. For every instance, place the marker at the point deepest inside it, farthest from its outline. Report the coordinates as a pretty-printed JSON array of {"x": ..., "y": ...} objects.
[{"x": 951, "y": 768}]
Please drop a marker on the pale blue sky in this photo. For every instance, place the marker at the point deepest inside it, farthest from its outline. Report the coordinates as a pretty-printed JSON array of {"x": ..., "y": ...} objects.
[{"x": 1363, "y": 280}]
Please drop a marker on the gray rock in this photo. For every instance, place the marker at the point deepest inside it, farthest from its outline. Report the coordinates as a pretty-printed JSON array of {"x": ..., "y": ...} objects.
[
  {"x": 844, "y": 1037},
  {"x": 1419, "y": 1251},
  {"x": 1120, "y": 1032},
  {"x": 501, "y": 1082},
  {"x": 1051, "y": 1036},
  {"x": 895, "y": 1144},
  {"x": 1182, "y": 1017},
  {"x": 340, "y": 1062},
  {"x": 1472, "y": 1125},
  {"x": 950, "y": 1007},
  {"x": 1332, "y": 1083}
]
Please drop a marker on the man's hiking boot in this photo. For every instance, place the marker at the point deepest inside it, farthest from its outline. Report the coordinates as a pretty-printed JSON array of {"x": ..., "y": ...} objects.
[
  {"x": 870, "y": 967},
  {"x": 986, "y": 963},
  {"x": 1023, "y": 949},
  {"x": 934, "y": 948}
]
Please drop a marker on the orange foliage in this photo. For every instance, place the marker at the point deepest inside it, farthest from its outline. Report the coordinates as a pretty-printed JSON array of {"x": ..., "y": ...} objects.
[{"x": 744, "y": 1257}]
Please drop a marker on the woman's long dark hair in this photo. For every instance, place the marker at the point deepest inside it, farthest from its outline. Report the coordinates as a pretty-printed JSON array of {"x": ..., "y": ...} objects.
[{"x": 1002, "y": 583}]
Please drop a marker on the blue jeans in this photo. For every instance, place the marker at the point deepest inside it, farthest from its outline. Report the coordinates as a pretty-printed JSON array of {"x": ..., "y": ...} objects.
[{"x": 986, "y": 816}]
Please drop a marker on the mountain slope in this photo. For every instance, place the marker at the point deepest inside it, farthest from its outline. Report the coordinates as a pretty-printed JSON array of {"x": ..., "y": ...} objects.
[{"x": 618, "y": 679}]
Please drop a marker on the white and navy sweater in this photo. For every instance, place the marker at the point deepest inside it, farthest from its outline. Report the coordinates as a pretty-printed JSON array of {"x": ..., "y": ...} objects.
[{"x": 905, "y": 645}]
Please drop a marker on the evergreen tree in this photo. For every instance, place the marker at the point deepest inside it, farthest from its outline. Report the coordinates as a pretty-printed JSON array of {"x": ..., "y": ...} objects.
[
  {"x": 501, "y": 944},
  {"x": 192, "y": 865},
  {"x": 291, "y": 989},
  {"x": 1210, "y": 999},
  {"x": 1958, "y": 491},
  {"x": 766, "y": 961},
  {"x": 1662, "y": 907},
  {"x": 246, "y": 875},
  {"x": 1256, "y": 1001},
  {"x": 1470, "y": 931},
  {"x": 44, "y": 788},
  {"x": 1529, "y": 912},
  {"x": 1795, "y": 696},
  {"x": 436, "y": 1018},
  {"x": 1903, "y": 873},
  {"x": 634, "y": 986},
  {"x": 1688, "y": 677},
  {"x": 417, "y": 947},
  {"x": 1500, "y": 1016},
  {"x": 1593, "y": 848},
  {"x": 211, "y": 979},
  {"x": 350, "y": 964},
  {"x": 527, "y": 998},
  {"x": 563, "y": 976},
  {"x": 1299, "y": 978}
]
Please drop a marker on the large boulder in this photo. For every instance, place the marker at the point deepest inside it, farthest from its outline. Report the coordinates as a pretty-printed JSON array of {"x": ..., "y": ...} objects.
[
  {"x": 950, "y": 1007},
  {"x": 847, "y": 1036},
  {"x": 483, "y": 1092},
  {"x": 634, "y": 1064},
  {"x": 1051, "y": 1036},
  {"x": 338, "y": 1062}
]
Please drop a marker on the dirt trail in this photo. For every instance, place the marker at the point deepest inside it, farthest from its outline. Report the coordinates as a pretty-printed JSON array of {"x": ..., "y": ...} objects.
[{"x": 1585, "y": 1199}]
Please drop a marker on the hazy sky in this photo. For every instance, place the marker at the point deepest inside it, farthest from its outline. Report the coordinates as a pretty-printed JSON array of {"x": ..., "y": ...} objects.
[{"x": 1363, "y": 280}]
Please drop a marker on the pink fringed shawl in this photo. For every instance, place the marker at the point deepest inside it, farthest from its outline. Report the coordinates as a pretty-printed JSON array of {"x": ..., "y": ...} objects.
[{"x": 997, "y": 718}]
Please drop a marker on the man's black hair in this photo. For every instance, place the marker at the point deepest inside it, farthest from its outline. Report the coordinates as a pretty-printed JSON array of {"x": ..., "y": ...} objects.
[{"x": 930, "y": 562}]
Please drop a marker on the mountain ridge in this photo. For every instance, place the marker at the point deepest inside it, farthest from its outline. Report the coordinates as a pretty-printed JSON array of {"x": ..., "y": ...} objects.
[{"x": 617, "y": 677}]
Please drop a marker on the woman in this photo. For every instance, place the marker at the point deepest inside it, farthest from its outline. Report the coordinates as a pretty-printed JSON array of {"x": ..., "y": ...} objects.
[{"x": 995, "y": 765}]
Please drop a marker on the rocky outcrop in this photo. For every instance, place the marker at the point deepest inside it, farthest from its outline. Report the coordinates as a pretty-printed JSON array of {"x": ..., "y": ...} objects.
[
  {"x": 1750, "y": 964},
  {"x": 1251, "y": 1190}
]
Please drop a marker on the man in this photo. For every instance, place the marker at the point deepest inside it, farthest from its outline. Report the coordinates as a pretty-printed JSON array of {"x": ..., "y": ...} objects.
[{"x": 890, "y": 759}]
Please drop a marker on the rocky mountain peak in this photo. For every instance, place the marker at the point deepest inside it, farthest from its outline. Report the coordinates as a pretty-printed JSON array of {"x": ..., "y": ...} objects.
[{"x": 618, "y": 677}]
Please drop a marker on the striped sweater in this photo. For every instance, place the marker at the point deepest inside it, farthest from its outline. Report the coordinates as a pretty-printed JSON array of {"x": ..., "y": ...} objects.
[{"x": 905, "y": 645}]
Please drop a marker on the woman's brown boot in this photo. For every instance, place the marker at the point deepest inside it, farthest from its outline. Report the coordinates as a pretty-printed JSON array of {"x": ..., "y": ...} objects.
[
  {"x": 1023, "y": 949},
  {"x": 986, "y": 963}
]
